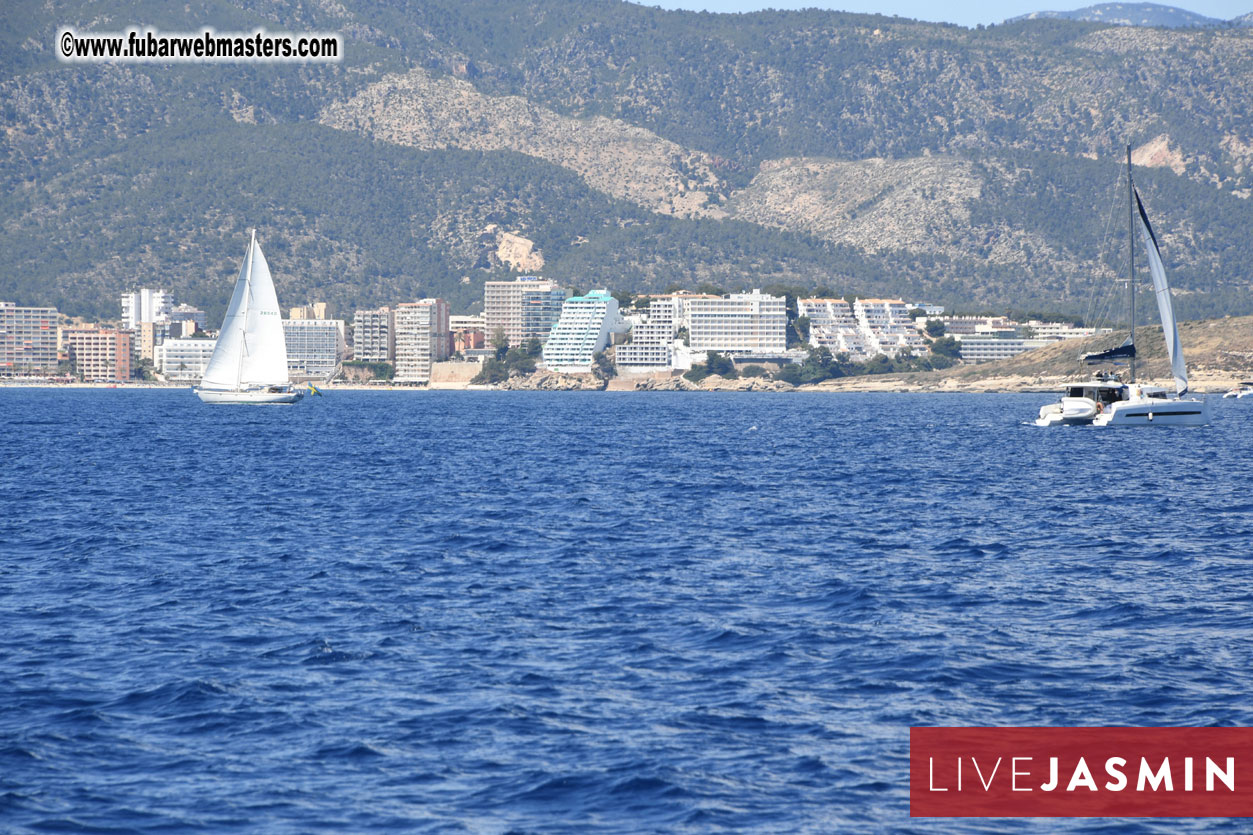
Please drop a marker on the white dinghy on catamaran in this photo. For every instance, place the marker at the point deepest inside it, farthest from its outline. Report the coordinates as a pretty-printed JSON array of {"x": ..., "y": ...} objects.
[
  {"x": 1107, "y": 401},
  {"x": 249, "y": 362}
]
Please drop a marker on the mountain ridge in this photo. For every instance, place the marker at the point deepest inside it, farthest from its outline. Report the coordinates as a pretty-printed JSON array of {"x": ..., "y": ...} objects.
[
  {"x": 1138, "y": 14},
  {"x": 630, "y": 147}
]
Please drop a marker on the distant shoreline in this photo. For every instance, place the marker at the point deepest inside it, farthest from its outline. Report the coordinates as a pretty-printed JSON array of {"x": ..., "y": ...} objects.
[{"x": 863, "y": 384}]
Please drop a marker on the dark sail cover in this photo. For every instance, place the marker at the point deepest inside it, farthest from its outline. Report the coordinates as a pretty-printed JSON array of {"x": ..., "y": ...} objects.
[{"x": 1124, "y": 351}]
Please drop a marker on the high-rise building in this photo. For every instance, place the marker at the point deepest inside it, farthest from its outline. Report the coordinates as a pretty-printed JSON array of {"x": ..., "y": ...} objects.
[
  {"x": 145, "y": 305},
  {"x": 315, "y": 348},
  {"x": 374, "y": 335},
  {"x": 28, "y": 340},
  {"x": 99, "y": 353},
  {"x": 742, "y": 323},
  {"x": 586, "y": 326},
  {"x": 184, "y": 359},
  {"x": 421, "y": 339},
  {"x": 651, "y": 347},
  {"x": 523, "y": 310}
]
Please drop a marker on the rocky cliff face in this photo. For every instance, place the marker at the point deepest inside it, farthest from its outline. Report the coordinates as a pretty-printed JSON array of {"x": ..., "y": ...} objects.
[{"x": 612, "y": 156}]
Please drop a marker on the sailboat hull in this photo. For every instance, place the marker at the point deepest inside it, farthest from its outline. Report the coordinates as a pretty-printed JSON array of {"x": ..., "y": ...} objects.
[{"x": 256, "y": 397}]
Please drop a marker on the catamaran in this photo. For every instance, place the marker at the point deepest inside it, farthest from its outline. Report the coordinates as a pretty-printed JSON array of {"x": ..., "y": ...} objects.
[
  {"x": 249, "y": 362},
  {"x": 1108, "y": 401},
  {"x": 1243, "y": 390}
]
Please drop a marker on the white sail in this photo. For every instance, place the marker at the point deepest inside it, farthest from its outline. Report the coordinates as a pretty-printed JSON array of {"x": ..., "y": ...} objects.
[
  {"x": 1174, "y": 347},
  {"x": 251, "y": 350}
]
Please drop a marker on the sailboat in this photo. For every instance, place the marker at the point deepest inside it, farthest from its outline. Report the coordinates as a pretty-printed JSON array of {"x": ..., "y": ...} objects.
[
  {"x": 1107, "y": 400},
  {"x": 249, "y": 362}
]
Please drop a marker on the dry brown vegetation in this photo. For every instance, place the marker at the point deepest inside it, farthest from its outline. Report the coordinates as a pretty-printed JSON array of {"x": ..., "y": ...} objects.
[{"x": 1219, "y": 354}]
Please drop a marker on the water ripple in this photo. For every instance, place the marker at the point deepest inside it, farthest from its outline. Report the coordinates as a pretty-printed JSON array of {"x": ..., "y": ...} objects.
[{"x": 492, "y": 612}]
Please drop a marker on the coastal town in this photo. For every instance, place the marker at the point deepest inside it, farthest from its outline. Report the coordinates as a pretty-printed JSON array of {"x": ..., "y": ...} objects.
[{"x": 527, "y": 326}]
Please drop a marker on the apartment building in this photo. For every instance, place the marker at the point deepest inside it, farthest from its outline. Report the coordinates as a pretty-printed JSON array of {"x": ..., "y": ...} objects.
[
  {"x": 145, "y": 305},
  {"x": 586, "y": 326},
  {"x": 374, "y": 335},
  {"x": 524, "y": 309},
  {"x": 315, "y": 348},
  {"x": 317, "y": 310},
  {"x": 651, "y": 348},
  {"x": 183, "y": 359},
  {"x": 193, "y": 317},
  {"x": 741, "y": 323},
  {"x": 832, "y": 325},
  {"x": 99, "y": 353},
  {"x": 28, "y": 340},
  {"x": 886, "y": 326},
  {"x": 421, "y": 339}
]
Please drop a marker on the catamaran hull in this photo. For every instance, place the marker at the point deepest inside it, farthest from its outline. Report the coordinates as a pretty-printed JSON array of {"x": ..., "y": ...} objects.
[
  {"x": 1155, "y": 413},
  {"x": 253, "y": 397}
]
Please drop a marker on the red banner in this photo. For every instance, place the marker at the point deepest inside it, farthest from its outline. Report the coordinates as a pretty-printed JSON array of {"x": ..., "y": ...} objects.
[{"x": 1080, "y": 772}]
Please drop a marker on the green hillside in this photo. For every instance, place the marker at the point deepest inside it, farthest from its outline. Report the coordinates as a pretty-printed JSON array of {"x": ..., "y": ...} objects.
[{"x": 635, "y": 148}]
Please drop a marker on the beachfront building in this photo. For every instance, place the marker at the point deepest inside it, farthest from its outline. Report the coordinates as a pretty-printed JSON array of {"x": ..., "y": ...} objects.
[
  {"x": 999, "y": 338},
  {"x": 960, "y": 326},
  {"x": 145, "y": 305},
  {"x": 833, "y": 326},
  {"x": 1056, "y": 331},
  {"x": 586, "y": 327},
  {"x": 989, "y": 348},
  {"x": 651, "y": 348},
  {"x": 522, "y": 310},
  {"x": 28, "y": 340},
  {"x": 183, "y": 359},
  {"x": 421, "y": 339},
  {"x": 374, "y": 335},
  {"x": 150, "y": 335},
  {"x": 741, "y": 323},
  {"x": 315, "y": 348},
  {"x": 99, "y": 353},
  {"x": 886, "y": 327}
]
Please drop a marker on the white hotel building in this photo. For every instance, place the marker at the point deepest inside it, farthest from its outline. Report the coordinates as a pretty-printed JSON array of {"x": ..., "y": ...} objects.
[
  {"x": 886, "y": 326},
  {"x": 586, "y": 326},
  {"x": 421, "y": 339},
  {"x": 833, "y": 326},
  {"x": 651, "y": 348},
  {"x": 146, "y": 305},
  {"x": 184, "y": 359},
  {"x": 741, "y": 323},
  {"x": 315, "y": 348}
]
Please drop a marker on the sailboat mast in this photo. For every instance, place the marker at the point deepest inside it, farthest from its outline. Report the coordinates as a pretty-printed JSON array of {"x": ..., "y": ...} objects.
[
  {"x": 1131, "y": 262},
  {"x": 243, "y": 336}
]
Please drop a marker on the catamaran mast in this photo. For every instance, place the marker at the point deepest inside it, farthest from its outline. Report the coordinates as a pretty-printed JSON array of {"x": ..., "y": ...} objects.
[{"x": 1131, "y": 262}]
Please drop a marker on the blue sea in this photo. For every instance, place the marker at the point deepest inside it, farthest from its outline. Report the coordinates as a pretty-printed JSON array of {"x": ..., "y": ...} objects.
[{"x": 589, "y": 612}]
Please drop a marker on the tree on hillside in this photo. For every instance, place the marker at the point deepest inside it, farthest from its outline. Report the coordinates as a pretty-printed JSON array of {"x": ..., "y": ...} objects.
[
  {"x": 946, "y": 346},
  {"x": 798, "y": 333},
  {"x": 603, "y": 367}
]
